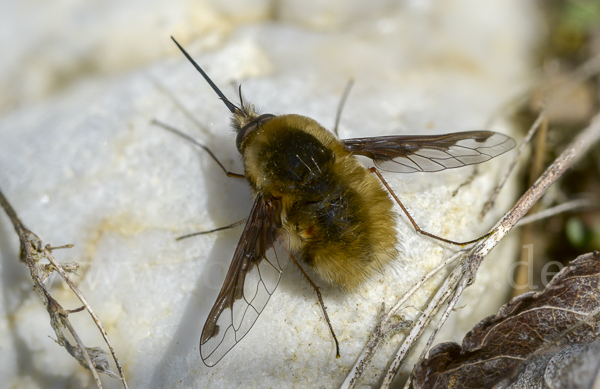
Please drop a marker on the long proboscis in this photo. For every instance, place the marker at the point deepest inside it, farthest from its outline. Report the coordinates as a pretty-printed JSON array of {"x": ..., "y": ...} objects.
[{"x": 228, "y": 103}]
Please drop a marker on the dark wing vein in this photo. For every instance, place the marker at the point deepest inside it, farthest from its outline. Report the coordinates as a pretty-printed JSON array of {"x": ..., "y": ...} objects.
[
  {"x": 416, "y": 153},
  {"x": 254, "y": 273}
]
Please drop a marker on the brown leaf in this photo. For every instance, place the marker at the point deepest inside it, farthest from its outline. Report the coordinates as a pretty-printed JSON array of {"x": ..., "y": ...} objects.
[{"x": 533, "y": 325}]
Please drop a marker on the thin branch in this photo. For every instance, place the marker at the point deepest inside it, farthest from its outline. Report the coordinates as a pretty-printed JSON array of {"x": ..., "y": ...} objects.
[
  {"x": 453, "y": 287},
  {"x": 87, "y": 306},
  {"x": 31, "y": 253},
  {"x": 425, "y": 278},
  {"x": 441, "y": 296},
  {"x": 574, "y": 205},
  {"x": 590, "y": 135},
  {"x": 584, "y": 72},
  {"x": 534, "y": 127},
  {"x": 469, "y": 265},
  {"x": 381, "y": 329},
  {"x": 454, "y": 291},
  {"x": 81, "y": 347}
]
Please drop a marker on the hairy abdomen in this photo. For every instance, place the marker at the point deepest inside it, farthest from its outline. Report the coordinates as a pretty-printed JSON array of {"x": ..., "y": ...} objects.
[{"x": 338, "y": 215}]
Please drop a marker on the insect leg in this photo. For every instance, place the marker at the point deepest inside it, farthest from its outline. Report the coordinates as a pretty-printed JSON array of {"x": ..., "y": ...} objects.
[
  {"x": 232, "y": 225},
  {"x": 195, "y": 142},
  {"x": 414, "y": 223},
  {"x": 316, "y": 288},
  {"x": 338, "y": 114}
]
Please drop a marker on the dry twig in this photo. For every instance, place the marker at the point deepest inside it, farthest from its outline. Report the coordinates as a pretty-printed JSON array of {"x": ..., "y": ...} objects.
[
  {"x": 32, "y": 252},
  {"x": 464, "y": 273},
  {"x": 534, "y": 127},
  {"x": 385, "y": 324},
  {"x": 570, "y": 206},
  {"x": 583, "y": 73}
]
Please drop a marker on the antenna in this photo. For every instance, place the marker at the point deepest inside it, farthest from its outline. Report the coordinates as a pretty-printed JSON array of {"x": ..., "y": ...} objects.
[{"x": 232, "y": 108}]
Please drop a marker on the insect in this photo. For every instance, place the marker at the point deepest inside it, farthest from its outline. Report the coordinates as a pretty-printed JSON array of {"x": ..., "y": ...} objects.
[{"x": 314, "y": 200}]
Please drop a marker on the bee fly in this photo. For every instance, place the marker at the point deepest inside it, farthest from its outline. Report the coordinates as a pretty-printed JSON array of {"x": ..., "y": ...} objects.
[{"x": 316, "y": 201}]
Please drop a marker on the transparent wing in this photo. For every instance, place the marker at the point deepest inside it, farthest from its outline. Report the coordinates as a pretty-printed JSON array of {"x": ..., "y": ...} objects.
[
  {"x": 415, "y": 153},
  {"x": 254, "y": 273}
]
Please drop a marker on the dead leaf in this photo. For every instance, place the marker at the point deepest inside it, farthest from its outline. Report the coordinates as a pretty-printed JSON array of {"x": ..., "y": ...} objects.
[{"x": 549, "y": 329}]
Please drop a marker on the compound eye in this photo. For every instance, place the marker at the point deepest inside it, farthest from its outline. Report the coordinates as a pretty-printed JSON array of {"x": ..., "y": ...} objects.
[{"x": 248, "y": 128}]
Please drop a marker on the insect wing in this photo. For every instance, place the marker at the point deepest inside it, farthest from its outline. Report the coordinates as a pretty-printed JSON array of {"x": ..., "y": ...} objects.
[
  {"x": 254, "y": 273},
  {"x": 415, "y": 153}
]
